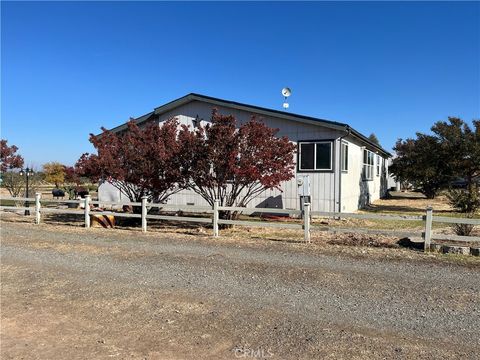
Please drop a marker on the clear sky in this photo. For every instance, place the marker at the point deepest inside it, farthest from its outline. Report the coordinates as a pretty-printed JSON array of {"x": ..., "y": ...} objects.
[{"x": 69, "y": 68}]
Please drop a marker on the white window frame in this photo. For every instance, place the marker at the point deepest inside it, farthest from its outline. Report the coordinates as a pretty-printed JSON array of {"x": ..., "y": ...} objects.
[
  {"x": 378, "y": 165},
  {"x": 368, "y": 167},
  {"x": 299, "y": 159},
  {"x": 344, "y": 156}
]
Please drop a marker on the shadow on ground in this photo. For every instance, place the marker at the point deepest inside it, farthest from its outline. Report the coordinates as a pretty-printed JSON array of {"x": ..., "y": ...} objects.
[{"x": 409, "y": 244}]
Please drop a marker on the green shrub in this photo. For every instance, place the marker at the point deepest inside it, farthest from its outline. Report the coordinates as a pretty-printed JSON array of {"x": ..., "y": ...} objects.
[{"x": 465, "y": 201}]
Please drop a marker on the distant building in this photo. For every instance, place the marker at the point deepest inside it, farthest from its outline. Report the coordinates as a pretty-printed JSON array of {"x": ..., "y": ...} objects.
[{"x": 391, "y": 182}]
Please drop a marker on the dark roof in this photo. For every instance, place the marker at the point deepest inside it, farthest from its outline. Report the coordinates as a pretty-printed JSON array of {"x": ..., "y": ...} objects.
[{"x": 257, "y": 109}]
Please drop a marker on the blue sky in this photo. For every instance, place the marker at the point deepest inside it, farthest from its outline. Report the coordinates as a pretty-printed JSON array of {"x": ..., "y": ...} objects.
[{"x": 68, "y": 68}]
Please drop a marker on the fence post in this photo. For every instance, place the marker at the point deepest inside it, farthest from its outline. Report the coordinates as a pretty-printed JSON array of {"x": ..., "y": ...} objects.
[
  {"x": 144, "y": 213},
  {"x": 216, "y": 204},
  {"x": 87, "y": 211},
  {"x": 428, "y": 228},
  {"x": 37, "y": 207},
  {"x": 306, "y": 222}
]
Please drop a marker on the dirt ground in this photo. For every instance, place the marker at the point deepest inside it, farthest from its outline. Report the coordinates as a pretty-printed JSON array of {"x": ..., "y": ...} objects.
[{"x": 67, "y": 292}]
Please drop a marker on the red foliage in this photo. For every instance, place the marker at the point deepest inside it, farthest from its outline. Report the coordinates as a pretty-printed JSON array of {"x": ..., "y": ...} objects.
[
  {"x": 235, "y": 165},
  {"x": 218, "y": 161},
  {"x": 71, "y": 175},
  {"x": 9, "y": 159},
  {"x": 138, "y": 161}
]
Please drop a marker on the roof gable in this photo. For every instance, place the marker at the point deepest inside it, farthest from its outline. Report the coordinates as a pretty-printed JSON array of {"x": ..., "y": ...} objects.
[{"x": 255, "y": 109}]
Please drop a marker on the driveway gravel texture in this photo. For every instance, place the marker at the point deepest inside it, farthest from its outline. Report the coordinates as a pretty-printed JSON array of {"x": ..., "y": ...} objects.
[{"x": 73, "y": 293}]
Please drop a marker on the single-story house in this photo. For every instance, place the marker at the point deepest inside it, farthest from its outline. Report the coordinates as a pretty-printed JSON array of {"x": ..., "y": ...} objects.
[{"x": 339, "y": 169}]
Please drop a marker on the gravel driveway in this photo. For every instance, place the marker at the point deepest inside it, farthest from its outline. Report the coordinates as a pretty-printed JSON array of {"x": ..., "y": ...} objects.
[{"x": 69, "y": 293}]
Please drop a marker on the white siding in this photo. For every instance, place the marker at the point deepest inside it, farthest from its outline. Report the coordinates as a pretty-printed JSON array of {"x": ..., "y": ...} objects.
[
  {"x": 107, "y": 192},
  {"x": 357, "y": 192}
]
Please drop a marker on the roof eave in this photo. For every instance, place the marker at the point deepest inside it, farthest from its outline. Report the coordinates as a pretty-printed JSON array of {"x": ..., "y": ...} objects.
[
  {"x": 368, "y": 141},
  {"x": 138, "y": 121}
]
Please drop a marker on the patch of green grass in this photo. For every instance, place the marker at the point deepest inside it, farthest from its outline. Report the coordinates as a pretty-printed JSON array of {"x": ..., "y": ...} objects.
[{"x": 7, "y": 202}]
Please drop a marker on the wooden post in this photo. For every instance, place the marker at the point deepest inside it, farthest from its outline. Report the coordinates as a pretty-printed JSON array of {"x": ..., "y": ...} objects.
[
  {"x": 87, "y": 211},
  {"x": 37, "y": 207},
  {"x": 306, "y": 222},
  {"x": 428, "y": 228},
  {"x": 144, "y": 213},
  {"x": 216, "y": 204}
]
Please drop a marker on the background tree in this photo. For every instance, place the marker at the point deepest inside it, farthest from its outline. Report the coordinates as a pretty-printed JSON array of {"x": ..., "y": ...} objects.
[
  {"x": 373, "y": 138},
  {"x": 54, "y": 173},
  {"x": 234, "y": 166},
  {"x": 432, "y": 162},
  {"x": 9, "y": 159},
  {"x": 10, "y": 163},
  {"x": 461, "y": 144},
  {"x": 421, "y": 162},
  {"x": 71, "y": 175},
  {"x": 140, "y": 161},
  {"x": 72, "y": 181},
  {"x": 15, "y": 183}
]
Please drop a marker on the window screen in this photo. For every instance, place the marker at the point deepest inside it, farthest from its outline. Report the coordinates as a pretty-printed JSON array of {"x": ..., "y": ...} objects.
[
  {"x": 315, "y": 156},
  {"x": 344, "y": 157},
  {"x": 368, "y": 160},
  {"x": 324, "y": 156},
  {"x": 307, "y": 156}
]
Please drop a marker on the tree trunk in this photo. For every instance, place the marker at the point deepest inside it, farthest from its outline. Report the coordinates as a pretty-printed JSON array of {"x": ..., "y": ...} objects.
[{"x": 227, "y": 215}]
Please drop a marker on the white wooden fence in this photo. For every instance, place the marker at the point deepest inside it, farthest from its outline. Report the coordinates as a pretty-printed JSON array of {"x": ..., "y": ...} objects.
[{"x": 306, "y": 225}]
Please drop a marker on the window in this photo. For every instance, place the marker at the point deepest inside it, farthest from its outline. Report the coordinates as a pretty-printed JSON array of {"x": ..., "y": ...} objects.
[
  {"x": 315, "y": 156},
  {"x": 378, "y": 165},
  {"x": 367, "y": 164},
  {"x": 344, "y": 156}
]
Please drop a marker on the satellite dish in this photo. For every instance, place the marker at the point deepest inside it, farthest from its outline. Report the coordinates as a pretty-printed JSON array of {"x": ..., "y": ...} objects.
[{"x": 286, "y": 92}]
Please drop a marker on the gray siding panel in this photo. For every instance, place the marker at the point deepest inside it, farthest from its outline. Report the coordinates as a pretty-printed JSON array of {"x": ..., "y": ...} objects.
[{"x": 322, "y": 184}]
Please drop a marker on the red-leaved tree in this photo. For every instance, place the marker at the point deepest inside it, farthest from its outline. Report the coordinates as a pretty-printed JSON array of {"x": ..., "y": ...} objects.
[
  {"x": 235, "y": 165},
  {"x": 71, "y": 175},
  {"x": 139, "y": 161},
  {"x": 9, "y": 159}
]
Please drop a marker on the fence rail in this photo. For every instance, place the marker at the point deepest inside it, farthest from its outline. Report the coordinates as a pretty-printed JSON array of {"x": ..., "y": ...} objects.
[
  {"x": 396, "y": 233},
  {"x": 368, "y": 216},
  {"x": 17, "y": 198},
  {"x": 260, "y": 224},
  {"x": 427, "y": 234},
  {"x": 260, "y": 210},
  {"x": 59, "y": 201},
  {"x": 127, "y": 203},
  {"x": 444, "y": 219},
  {"x": 180, "y": 218}
]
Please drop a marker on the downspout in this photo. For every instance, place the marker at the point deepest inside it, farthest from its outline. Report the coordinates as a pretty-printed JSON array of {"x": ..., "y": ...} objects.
[{"x": 347, "y": 132}]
